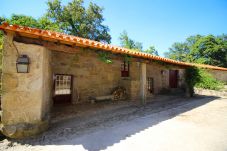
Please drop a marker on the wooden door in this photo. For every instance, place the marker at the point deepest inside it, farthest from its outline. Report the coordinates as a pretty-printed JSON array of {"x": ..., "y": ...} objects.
[
  {"x": 173, "y": 78},
  {"x": 62, "y": 88}
]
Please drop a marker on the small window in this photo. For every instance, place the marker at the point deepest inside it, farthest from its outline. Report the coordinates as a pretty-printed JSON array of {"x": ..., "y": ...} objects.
[
  {"x": 125, "y": 69},
  {"x": 62, "y": 84},
  {"x": 150, "y": 84}
]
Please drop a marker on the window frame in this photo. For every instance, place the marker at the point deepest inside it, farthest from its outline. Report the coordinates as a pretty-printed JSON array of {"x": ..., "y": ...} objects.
[
  {"x": 125, "y": 69},
  {"x": 68, "y": 88}
]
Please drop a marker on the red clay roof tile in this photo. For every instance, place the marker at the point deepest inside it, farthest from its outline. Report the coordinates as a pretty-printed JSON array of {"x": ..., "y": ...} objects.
[{"x": 94, "y": 44}]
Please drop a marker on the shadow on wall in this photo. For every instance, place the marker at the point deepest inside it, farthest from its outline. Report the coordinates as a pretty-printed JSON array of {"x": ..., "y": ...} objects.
[{"x": 106, "y": 135}]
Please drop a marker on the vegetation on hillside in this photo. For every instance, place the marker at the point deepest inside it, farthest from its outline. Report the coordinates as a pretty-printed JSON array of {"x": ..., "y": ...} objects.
[{"x": 208, "y": 49}]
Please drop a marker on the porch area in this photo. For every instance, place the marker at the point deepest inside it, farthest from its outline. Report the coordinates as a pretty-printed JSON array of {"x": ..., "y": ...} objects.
[{"x": 110, "y": 109}]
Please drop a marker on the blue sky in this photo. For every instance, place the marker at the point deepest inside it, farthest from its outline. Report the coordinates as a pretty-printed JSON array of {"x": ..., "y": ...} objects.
[{"x": 152, "y": 22}]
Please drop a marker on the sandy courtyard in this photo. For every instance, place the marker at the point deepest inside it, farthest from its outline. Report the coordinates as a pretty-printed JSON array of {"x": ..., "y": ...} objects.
[{"x": 188, "y": 124}]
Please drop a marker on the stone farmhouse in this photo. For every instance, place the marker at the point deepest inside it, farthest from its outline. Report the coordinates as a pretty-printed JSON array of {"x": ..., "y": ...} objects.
[{"x": 42, "y": 68}]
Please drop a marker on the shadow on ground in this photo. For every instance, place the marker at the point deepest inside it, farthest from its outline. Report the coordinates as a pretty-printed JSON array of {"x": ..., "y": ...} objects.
[{"x": 97, "y": 131}]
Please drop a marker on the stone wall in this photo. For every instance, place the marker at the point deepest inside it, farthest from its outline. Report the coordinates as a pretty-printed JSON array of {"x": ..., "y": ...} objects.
[
  {"x": 132, "y": 83},
  {"x": 219, "y": 75},
  {"x": 92, "y": 77},
  {"x": 25, "y": 98},
  {"x": 220, "y": 93},
  {"x": 160, "y": 79},
  {"x": 160, "y": 75}
]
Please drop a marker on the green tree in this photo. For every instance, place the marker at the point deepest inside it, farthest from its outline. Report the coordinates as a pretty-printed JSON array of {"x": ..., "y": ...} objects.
[
  {"x": 21, "y": 20},
  {"x": 151, "y": 50},
  {"x": 42, "y": 23},
  {"x": 77, "y": 20},
  {"x": 127, "y": 42},
  {"x": 208, "y": 49},
  {"x": 46, "y": 24},
  {"x": 72, "y": 19},
  {"x": 178, "y": 51}
]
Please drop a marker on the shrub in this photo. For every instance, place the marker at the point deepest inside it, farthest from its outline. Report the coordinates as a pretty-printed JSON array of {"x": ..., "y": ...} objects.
[
  {"x": 192, "y": 77},
  {"x": 200, "y": 78},
  {"x": 207, "y": 81}
]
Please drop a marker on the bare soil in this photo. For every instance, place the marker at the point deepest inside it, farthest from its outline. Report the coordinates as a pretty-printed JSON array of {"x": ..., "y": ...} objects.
[{"x": 70, "y": 122}]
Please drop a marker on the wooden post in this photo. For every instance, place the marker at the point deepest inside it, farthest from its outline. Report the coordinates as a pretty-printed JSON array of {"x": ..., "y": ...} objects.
[{"x": 143, "y": 81}]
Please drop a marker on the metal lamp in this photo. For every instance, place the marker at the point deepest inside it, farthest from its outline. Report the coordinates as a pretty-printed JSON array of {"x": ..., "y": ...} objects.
[{"x": 22, "y": 64}]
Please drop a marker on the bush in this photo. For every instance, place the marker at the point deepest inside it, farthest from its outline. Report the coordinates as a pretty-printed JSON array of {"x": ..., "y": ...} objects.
[
  {"x": 207, "y": 81},
  {"x": 192, "y": 77},
  {"x": 200, "y": 78}
]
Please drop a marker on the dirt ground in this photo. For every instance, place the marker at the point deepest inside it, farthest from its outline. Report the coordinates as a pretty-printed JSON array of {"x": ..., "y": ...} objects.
[{"x": 167, "y": 123}]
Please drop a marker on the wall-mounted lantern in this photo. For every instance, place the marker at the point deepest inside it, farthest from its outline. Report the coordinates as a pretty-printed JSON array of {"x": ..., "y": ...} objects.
[{"x": 22, "y": 64}]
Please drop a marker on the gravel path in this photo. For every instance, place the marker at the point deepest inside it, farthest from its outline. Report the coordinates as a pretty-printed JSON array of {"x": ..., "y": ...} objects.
[{"x": 104, "y": 129}]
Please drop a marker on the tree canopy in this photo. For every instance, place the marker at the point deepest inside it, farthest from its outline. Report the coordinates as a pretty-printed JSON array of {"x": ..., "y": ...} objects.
[
  {"x": 129, "y": 43},
  {"x": 23, "y": 20},
  {"x": 151, "y": 50},
  {"x": 73, "y": 19},
  {"x": 208, "y": 49}
]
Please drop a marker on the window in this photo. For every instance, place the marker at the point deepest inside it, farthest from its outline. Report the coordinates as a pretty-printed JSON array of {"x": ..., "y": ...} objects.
[
  {"x": 62, "y": 84},
  {"x": 150, "y": 84},
  {"x": 125, "y": 69}
]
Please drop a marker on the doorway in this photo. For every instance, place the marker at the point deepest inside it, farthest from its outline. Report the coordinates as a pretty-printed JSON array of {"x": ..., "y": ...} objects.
[
  {"x": 62, "y": 88},
  {"x": 150, "y": 84},
  {"x": 173, "y": 78}
]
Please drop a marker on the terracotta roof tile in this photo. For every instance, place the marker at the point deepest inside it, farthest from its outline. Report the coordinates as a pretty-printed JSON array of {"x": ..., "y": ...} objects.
[{"x": 94, "y": 44}]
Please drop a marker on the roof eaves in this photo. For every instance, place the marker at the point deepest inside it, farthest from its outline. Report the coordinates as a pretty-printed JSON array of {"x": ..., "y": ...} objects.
[{"x": 98, "y": 45}]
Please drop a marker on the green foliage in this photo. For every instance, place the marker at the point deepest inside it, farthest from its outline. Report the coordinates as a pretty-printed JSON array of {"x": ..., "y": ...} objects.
[
  {"x": 42, "y": 23},
  {"x": 105, "y": 57},
  {"x": 207, "y": 81},
  {"x": 127, "y": 42},
  {"x": 73, "y": 19},
  {"x": 77, "y": 20},
  {"x": 21, "y": 20},
  {"x": 208, "y": 49},
  {"x": 46, "y": 24},
  {"x": 200, "y": 78},
  {"x": 151, "y": 50},
  {"x": 178, "y": 51},
  {"x": 192, "y": 77}
]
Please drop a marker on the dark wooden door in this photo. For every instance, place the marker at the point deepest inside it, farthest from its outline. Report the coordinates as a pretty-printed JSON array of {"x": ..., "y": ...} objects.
[
  {"x": 62, "y": 88},
  {"x": 173, "y": 80}
]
